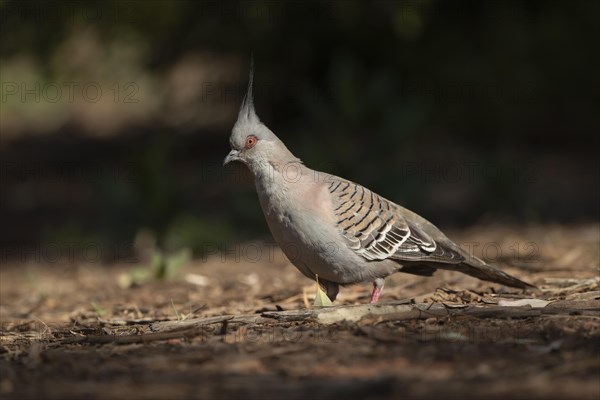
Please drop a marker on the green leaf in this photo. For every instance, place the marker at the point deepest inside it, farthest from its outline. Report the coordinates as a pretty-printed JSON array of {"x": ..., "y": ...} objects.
[
  {"x": 158, "y": 264},
  {"x": 175, "y": 261},
  {"x": 321, "y": 299},
  {"x": 99, "y": 309}
]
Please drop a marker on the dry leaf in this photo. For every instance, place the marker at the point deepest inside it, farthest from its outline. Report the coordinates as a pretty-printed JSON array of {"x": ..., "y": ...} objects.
[
  {"x": 321, "y": 299},
  {"x": 535, "y": 303}
]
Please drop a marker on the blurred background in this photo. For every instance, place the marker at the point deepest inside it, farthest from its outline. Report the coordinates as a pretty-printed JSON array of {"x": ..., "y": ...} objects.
[{"x": 115, "y": 116}]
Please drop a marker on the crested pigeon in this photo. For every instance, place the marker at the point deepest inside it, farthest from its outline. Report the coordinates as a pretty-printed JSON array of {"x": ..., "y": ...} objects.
[{"x": 338, "y": 230}]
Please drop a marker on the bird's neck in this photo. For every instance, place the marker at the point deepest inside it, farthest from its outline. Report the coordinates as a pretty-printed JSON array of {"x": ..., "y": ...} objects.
[
  {"x": 270, "y": 166},
  {"x": 281, "y": 171}
]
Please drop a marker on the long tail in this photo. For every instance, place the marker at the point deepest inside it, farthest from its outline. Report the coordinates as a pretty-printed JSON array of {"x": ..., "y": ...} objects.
[{"x": 473, "y": 266}]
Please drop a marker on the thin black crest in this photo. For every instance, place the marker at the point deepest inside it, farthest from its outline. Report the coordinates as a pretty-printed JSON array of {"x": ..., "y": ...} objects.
[{"x": 247, "y": 109}]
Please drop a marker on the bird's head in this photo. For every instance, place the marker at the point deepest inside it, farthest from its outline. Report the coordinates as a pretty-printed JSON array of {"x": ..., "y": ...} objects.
[{"x": 251, "y": 141}]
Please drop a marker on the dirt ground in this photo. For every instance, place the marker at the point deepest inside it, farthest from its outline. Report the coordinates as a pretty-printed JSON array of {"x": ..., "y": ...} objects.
[{"x": 77, "y": 330}]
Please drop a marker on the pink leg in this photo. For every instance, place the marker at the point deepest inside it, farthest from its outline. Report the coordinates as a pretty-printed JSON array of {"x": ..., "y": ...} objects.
[
  {"x": 375, "y": 295},
  {"x": 377, "y": 289}
]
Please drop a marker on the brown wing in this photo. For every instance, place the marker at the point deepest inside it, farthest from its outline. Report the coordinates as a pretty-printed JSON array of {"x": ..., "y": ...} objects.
[{"x": 375, "y": 228}]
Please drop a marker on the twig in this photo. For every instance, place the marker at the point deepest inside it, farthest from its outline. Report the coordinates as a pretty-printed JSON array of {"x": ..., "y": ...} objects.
[
  {"x": 362, "y": 314},
  {"x": 129, "y": 339},
  {"x": 167, "y": 330}
]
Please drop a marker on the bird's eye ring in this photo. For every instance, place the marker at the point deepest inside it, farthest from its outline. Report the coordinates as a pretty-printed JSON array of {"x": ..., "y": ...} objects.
[{"x": 250, "y": 141}]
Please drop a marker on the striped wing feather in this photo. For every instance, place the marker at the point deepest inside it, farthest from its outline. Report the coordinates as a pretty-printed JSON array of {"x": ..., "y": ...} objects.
[{"x": 375, "y": 228}]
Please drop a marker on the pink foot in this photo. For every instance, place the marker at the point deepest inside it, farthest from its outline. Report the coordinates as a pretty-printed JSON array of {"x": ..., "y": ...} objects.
[
  {"x": 377, "y": 289},
  {"x": 375, "y": 294}
]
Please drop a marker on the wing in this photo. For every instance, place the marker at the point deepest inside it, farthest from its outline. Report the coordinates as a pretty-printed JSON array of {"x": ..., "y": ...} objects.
[{"x": 375, "y": 228}]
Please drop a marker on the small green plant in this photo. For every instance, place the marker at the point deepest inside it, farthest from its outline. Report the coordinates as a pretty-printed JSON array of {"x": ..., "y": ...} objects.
[
  {"x": 165, "y": 267},
  {"x": 179, "y": 316},
  {"x": 161, "y": 267},
  {"x": 101, "y": 311}
]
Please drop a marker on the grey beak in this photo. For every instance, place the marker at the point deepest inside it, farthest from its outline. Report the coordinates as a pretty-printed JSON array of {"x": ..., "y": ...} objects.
[{"x": 232, "y": 156}]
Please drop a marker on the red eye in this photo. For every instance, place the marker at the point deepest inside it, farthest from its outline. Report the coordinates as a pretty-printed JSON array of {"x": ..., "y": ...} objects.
[{"x": 250, "y": 141}]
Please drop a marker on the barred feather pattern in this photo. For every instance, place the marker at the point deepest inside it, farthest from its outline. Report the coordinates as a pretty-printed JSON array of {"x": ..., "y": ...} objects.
[{"x": 375, "y": 228}]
